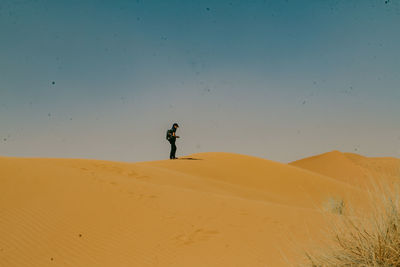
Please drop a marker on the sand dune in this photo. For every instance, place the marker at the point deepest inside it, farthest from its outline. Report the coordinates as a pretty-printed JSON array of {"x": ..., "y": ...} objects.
[
  {"x": 352, "y": 168},
  {"x": 208, "y": 209}
]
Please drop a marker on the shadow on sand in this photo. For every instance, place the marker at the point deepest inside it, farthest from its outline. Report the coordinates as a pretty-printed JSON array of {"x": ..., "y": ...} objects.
[{"x": 189, "y": 159}]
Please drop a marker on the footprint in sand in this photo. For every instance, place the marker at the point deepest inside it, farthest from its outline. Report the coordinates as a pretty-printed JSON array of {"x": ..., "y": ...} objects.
[
  {"x": 130, "y": 174},
  {"x": 142, "y": 177},
  {"x": 195, "y": 236}
]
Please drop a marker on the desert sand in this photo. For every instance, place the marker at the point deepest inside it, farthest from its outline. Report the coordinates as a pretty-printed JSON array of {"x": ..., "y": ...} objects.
[{"x": 206, "y": 209}]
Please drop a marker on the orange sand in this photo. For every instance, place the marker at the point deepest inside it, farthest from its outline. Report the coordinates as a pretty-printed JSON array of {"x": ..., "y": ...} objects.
[
  {"x": 210, "y": 209},
  {"x": 352, "y": 168}
]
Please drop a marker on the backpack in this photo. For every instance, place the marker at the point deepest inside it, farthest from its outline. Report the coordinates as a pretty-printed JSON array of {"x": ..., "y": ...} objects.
[{"x": 169, "y": 134}]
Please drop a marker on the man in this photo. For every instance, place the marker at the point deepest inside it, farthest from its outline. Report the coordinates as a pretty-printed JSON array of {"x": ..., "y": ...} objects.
[{"x": 171, "y": 137}]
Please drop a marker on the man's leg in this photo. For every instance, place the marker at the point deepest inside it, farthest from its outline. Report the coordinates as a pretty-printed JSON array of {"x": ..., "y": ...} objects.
[
  {"x": 173, "y": 150},
  {"x": 171, "y": 153}
]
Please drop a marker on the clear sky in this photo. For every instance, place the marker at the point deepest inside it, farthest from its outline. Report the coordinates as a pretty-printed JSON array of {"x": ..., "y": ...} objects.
[{"x": 276, "y": 79}]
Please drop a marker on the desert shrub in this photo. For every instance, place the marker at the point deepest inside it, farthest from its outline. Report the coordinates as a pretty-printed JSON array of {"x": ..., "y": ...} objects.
[
  {"x": 369, "y": 239},
  {"x": 334, "y": 205}
]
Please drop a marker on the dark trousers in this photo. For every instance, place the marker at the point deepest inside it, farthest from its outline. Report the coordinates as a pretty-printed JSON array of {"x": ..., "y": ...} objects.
[{"x": 173, "y": 149}]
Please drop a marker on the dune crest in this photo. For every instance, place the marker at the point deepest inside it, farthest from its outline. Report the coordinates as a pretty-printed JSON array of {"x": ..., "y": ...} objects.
[{"x": 352, "y": 168}]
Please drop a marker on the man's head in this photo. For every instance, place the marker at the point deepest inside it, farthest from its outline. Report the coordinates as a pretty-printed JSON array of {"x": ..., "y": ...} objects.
[{"x": 175, "y": 125}]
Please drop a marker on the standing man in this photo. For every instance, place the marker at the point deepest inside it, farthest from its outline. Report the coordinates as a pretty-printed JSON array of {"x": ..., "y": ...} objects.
[{"x": 171, "y": 137}]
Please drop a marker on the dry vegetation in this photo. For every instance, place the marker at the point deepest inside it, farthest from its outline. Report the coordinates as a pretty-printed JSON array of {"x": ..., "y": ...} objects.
[{"x": 371, "y": 239}]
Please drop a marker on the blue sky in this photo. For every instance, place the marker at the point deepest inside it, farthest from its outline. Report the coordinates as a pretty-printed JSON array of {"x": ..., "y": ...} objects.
[{"x": 275, "y": 79}]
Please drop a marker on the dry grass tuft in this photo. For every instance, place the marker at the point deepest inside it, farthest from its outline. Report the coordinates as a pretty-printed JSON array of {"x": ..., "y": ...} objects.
[
  {"x": 372, "y": 239},
  {"x": 334, "y": 205}
]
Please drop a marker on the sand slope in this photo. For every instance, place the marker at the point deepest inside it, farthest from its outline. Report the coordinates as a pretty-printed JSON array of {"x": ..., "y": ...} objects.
[
  {"x": 211, "y": 209},
  {"x": 352, "y": 168}
]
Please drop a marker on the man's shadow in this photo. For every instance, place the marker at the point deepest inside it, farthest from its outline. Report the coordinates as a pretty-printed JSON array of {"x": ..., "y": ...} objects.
[{"x": 189, "y": 159}]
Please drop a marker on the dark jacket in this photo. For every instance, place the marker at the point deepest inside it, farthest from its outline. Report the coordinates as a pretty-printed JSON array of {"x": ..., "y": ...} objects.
[{"x": 172, "y": 138}]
